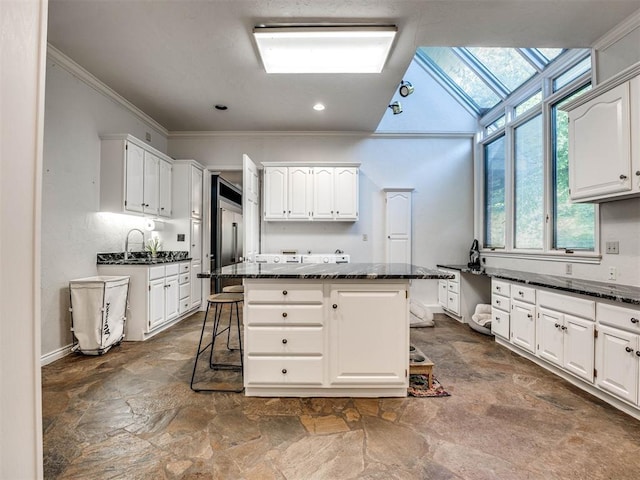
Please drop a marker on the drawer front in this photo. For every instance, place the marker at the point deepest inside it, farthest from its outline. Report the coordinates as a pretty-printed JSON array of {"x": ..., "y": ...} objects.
[
  {"x": 185, "y": 267},
  {"x": 620, "y": 317},
  {"x": 156, "y": 272},
  {"x": 285, "y": 340},
  {"x": 453, "y": 302},
  {"x": 284, "y": 293},
  {"x": 283, "y": 371},
  {"x": 500, "y": 323},
  {"x": 500, "y": 302},
  {"x": 501, "y": 288},
  {"x": 283, "y": 315},
  {"x": 562, "y": 303},
  {"x": 185, "y": 290},
  {"x": 184, "y": 305},
  {"x": 524, "y": 294},
  {"x": 172, "y": 269},
  {"x": 185, "y": 278},
  {"x": 453, "y": 286}
]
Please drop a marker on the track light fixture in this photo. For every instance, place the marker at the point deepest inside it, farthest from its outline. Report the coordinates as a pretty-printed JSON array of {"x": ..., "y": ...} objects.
[
  {"x": 396, "y": 107},
  {"x": 405, "y": 89}
]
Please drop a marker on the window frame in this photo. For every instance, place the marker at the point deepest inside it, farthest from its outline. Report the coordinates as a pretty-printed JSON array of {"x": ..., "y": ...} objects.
[{"x": 544, "y": 82}]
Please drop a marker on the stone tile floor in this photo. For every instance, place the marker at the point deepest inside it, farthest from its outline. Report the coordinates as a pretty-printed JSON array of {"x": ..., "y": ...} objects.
[{"x": 130, "y": 414}]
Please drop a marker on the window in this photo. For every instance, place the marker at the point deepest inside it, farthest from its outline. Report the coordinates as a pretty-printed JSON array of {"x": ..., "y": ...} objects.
[
  {"x": 529, "y": 185},
  {"x": 533, "y": 101},
  {"x": 574, "y": 223},
  {"x": 494, "y": 214},
  {"x": 497, "y": 125},
  {"x": 570, "y": 75}
]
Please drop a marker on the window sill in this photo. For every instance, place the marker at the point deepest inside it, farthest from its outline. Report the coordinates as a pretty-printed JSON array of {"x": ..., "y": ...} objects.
[{"x": 578, "y": 257}]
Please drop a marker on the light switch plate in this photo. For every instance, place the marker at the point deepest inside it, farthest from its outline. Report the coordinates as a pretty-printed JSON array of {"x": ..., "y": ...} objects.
[{"x": 613, "y": 247}]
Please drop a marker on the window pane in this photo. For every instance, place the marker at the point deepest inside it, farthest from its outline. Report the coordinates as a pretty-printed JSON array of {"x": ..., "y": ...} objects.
[
  {"x": 574, "y": 223},
  {"x": 529, "y": 185},
  {"x": 461, "y": 75},
  {"x": 529, "y": 103},
  {"x": 508, "y": 66},
  {"x": 570, "y": 75},
  {"x": 549, "y": 53},
  {"x": 494, "y": 211},
  {"x": 495, "y": 126}
]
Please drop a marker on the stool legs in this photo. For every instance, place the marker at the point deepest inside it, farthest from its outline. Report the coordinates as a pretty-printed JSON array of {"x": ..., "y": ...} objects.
[{"x": 217, "y": 314}]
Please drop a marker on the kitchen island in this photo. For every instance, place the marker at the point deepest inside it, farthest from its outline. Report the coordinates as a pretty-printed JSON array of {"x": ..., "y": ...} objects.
[{"x": 326, "y": 329}]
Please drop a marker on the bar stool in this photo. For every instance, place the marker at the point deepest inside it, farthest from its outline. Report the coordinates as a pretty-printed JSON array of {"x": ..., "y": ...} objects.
[
  {"x": 219, "y": 300},
  {"x": 233, "y": 289}
]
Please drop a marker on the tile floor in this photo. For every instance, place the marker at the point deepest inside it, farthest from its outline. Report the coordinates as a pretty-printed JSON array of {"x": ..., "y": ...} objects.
[{"x": 130, "y": 414}]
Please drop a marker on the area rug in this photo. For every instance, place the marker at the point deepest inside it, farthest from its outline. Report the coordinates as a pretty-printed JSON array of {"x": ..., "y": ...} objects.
[{"x": 419, "y": 387}]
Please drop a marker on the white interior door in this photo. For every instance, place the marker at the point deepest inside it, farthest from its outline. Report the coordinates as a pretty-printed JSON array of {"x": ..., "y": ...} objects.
[
  {"x": 250, "y": 209},
  {"x": 398, "y": 225}
]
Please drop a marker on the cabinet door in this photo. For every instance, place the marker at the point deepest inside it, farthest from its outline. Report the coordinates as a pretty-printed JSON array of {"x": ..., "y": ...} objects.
[
  {"x": 299, "y": 193},
  {"x": 250, "y": 209},
  {"x": 579, "y": 346},
  {"x": 617, "y": 363},
  {"x": 323, "y": 193},
  {"x": 171, "y": 298},
  {"x": 599, "y": 146},
  {"x": 134, "y": 179},
  {"x": 500, "y": 323},
  {"x": 196, "y": 240},
  {"x": 156, "y": 302},
  {"x": 442, "y": 293},
  {"x": 196, "y": 193},
  {"x": 345, "y": 193},
  {"x": 164, "y": 207},
  {"x": 551, "y": 336},
  {"x": 151, "y": 183},
  {"x": 196, "y": 284},
  {"x": 523, "y": 325},
  {"x": 365, "y": 320},
  {"x": 275, "y": 193}
]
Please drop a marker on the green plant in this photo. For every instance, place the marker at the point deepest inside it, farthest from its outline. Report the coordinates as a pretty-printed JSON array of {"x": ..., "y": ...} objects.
[{"x": 153, "y": 245}]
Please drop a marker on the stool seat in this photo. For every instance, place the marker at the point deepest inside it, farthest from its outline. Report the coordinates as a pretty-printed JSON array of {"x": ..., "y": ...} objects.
[
  {"x": 233, "y": 289},
  {"x": 225, "y": 297}
]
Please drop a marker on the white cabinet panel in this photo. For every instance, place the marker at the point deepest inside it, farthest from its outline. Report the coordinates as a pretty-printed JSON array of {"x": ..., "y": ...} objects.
[
  {"x": 579, "y": 346},
  {"x": 299, "y": 193},
  {"x": 151, "y": 189},
  {"x": 196, "y": 193},
  {"x": 617, "y": 363},
  {"x": 283, "y": 371},
  {"x": 551, "y": 336},
  {"x": 323, "y": 193},
  {"x": 286, "y": 340},
  {"x": 346, "y": 193},
  {"x": 134, "y": 178},
  {"x": 196, "y": 284},
  {"x": 500, "y": 323},
  {"x": 164, "y": 207},
  {"x": 171, "y": 298},
  {"x": 250, "y": 209},
  {"x": 442, "y": 293},
  {"x": 156, "y": 303},
  {"x": 523, "y": 325},
  {"x": 275, "y": 193},
  {"x": 196, "y": 240}
]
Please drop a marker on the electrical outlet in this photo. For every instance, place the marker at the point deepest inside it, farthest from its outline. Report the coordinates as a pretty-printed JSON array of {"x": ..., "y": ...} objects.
[
  {"x": 613, "y": 248},
  {"x": 365, "y": 237},
  {"x": 568, "y": 269},
  {"x": 181, "y": 237},
  {"x": 612, "y": 273}
]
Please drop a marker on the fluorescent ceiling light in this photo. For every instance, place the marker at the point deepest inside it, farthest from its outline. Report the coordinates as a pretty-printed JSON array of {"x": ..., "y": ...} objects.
[{"x": 362, "y": 49}]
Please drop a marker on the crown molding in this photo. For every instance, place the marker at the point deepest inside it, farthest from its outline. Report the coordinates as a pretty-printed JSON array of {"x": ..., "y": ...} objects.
[
  {"x": 619, "y": 31},
  {"x": 194, "y": 135},
  {"x": 60, "y": 59}
]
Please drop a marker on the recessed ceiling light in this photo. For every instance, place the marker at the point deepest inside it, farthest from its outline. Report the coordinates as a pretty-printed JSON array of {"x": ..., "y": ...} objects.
[
  {"x": 324, "y": 49},
  {"x": 221, "y": 107},
  {"x": 318, "y": 107}
]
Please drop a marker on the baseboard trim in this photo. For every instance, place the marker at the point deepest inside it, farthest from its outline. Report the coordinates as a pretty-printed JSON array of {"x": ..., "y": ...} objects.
[{"x": 51, "y": 357}]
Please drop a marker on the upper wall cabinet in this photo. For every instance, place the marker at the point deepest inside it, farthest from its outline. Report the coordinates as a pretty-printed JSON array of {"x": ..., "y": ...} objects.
[
  {"x": 311, "y": 192},
  {"x": 134, "y": 177},
  {"x": 604, "y": 143}
]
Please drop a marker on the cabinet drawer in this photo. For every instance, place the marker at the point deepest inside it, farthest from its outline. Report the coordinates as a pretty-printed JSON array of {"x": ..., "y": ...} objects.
[
  {"x": 500, "y": 323},
  {"x": 283, "y": 371},
  {"x": 453, "y": 286},
  {"x": 184, "y": 305},
  {"x": 501, "y": 288},
  {"x": 184, "y": 278},
  {"x": 285, "y": 340},
  {"x": 620, "y": 317},
  {"x": 185, "y": 290},
  {"x": 172, "y": 269},
  {"x": 185, "y": 267},
  {"x": 453, "y": 302},
  {"x": 156, "y": 272},
  {"x": 524, "y": 294},
  {"x": 500, "y": 302},
  {"x": 284, "y": 293},
  {"x": 283, "y": 315},
  {"x": 562, "y": 303}
]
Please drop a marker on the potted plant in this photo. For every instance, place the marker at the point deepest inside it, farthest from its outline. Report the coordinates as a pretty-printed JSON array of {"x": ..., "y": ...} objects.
[{"x": 153, "y": 246}]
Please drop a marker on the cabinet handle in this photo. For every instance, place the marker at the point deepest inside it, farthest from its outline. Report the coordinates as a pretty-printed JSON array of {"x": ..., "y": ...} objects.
[
  {"x": 529, "y": 315},
  {"x": 498, "y": 288},
  {"x": 161, "y": 208},
  {"x": 335, "y": 305},
  {"x": 637, "y": 173},
  {"x": 521, "y": 293},
  {"x": 557, "y": 325},
  {"x": 284, "y": 292},
  {"x": 289, "y": 211},
  {"x": 284, "y": 371},
  {"x": 564, "y": 327},
  {"x": 331, "y": 212},
  {"x": 338, "y": 213},
  {"x": 623, "y": 177},
  {"x": 634, "y": 320},
  {"x": 628, "y": 349},
  {"x": 497, "y": 302},
  {"x": 498, "y": 318},
  {"x": 284, "y": 314},
  {"x": 284, "y": 340},
  {"x": 637, "y": 353}
]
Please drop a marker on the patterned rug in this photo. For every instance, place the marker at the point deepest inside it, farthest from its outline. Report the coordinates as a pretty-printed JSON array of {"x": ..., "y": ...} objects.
[{"x": 418, "y": 387}]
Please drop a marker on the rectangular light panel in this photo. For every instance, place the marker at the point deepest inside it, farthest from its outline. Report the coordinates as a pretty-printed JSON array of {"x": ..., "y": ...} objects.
[{"x": 324, "y": 49}]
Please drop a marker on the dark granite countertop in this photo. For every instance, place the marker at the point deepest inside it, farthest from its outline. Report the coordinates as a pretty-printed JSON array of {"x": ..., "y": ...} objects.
[
  {"x": 609, "y": 291},
  {"x": 371, "y": 271},
  {"x": 141, "y": 258}
]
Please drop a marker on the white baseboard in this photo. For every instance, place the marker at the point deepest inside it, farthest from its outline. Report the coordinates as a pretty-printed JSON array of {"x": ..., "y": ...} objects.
[{"x": 51, "y": 357}]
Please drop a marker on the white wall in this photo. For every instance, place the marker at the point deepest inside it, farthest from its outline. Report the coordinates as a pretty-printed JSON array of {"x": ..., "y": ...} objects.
[
  {"x": 22, "y": 49},
  {"x": 72, "y": 229}
]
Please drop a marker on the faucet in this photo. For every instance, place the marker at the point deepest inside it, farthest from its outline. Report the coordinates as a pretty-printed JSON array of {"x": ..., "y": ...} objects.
[{"x": 126, "y": 242}]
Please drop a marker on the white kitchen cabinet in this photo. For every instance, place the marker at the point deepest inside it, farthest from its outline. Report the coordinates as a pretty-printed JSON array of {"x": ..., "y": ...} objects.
[
  {"x": 195, "y": 249},
  {"x": 323, "y": 193},
  {"x": 157, "y": 293},
  {"x": 449, "y": 293},
  {"x": 617, "y": 363},
  {"x": 275, "y": 193},
  {"x": 523, "y": 325},
  {"x": 133, "y": 176},
  {"x": 299, "y": 193},
  {"x": 195, "y": 186},
  {"x": 604, "y": 136},
  {"x": 184, "y": 288},
  {"x": 398, "y": 225},
  {"x": 366, "y": 319},
  {"x": 442, "y": 293},
  {"x": 165, "y": 183},
  {"x": 346, "y": 193}
]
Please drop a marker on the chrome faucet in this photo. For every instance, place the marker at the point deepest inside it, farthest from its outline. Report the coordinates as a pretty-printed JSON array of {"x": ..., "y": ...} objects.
[{"x": 126, "y": 242}]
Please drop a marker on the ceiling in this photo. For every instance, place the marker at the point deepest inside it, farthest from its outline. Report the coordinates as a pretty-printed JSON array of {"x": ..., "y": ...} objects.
[{"x": 175, "y": 59}]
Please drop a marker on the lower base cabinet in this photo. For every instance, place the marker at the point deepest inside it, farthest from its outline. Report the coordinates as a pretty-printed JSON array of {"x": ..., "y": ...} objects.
[{"x": 617, "y": 363}]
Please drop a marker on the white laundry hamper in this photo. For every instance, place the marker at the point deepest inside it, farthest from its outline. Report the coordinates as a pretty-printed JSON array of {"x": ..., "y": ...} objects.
[{"x": 98, "y": 307}]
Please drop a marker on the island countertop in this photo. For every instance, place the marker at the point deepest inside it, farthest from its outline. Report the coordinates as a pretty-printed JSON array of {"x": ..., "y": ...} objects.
[{"x": 371, "y": 271}]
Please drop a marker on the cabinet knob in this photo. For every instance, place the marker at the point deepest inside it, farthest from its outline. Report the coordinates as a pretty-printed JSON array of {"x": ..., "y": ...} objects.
[
  {"x": 284, "y": 292},
  {"x": 564, "y": 327},
  {"x": 284, "y": 340},
  {"x": 529, "y": 315},
  {"x": 628, "y": 349},
  {"x": 498, "y": 288},
  {"x": 637, "y": 353},
  {"x": 335, "y": 305},
  {"x": 284, "y": 314},
  {"x": 637, "y": 173},
  {"x": 557, "y": 325},
  {"x": 289, "y": 211},
  {"x": 623, "y": 177},
  {"x": 498, "y": 302},
  {"x": 337, "y": 213},
  {"x": 521, "y": 293},
  {"x": 161, "y": 208},
  {"x": 284, "y": 371},
  {"x": 634, "y": 320}
]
